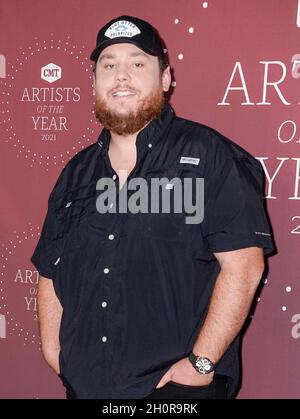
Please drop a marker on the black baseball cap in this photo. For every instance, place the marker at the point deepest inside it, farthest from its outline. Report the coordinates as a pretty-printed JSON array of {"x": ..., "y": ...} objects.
[{"x": 129, "y": 29}]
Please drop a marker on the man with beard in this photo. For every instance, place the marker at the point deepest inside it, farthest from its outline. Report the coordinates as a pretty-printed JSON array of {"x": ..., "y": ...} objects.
[{"x": 146, "y": 305}]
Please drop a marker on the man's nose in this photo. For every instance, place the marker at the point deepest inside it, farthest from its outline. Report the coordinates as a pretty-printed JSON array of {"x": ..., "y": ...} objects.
[{"x": 122, "y": 73}]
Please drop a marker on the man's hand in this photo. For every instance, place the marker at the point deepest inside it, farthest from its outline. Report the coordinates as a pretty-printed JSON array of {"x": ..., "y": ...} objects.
[{"x": 183, "y": 372}]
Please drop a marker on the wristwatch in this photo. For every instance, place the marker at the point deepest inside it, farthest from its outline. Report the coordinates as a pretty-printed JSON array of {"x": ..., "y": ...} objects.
[{"x": 201, "y": 364}]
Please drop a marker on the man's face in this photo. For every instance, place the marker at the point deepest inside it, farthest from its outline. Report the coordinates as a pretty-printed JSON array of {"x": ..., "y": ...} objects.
[{"x": 129, "y": 87}]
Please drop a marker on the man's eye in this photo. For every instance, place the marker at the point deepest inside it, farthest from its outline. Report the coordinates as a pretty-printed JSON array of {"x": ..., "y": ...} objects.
[
  {"x": 138, "y": 65},
  {"x": 109, "y": 66}
]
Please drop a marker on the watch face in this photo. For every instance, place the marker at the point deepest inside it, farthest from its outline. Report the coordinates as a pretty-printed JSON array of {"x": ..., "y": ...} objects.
[{"x": 204, "y": 365}]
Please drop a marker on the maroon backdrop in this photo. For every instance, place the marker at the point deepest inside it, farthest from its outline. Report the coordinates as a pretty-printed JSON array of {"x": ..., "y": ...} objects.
[{"x": 237, "y": 68}]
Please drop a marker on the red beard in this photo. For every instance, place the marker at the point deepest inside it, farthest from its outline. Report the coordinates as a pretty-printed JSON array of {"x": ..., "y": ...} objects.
[{"x": 133, "y": 122}]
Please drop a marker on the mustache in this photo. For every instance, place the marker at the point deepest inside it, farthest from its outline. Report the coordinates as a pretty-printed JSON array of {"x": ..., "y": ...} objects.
[{"x": 126, "y": 87}]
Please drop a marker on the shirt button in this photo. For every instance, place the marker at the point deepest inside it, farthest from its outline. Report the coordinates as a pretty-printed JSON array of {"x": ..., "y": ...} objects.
[
  {"x": 106, "y": 270},
  {"x": 114, "y": 177},
  {"x": 111, "y": 237},
  {"x": 104, "y": 338},
  {"x": 150, "y": 145},
  {"x": 104, "y": 304},
  {"x": 57, "y": 261},
  {"x": 111, "y": 205}
]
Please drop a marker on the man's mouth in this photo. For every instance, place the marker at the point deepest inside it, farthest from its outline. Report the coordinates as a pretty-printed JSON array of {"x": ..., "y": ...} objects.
[{"x": 123, "y": 93}]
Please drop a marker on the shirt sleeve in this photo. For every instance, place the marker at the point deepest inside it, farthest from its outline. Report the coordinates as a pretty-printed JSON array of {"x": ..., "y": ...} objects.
[
  {"x": 234, "y": 208},
  {"x": 67, "y": 201},
  {"x": 46, "y": 252}
]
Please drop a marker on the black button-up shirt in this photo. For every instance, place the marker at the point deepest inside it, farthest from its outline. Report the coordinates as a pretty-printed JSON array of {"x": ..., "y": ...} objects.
[{"x": 135, "y": 287}]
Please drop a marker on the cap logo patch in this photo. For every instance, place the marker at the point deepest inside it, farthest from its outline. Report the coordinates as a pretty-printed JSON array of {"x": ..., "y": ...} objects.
[{"x": 122, "y": 28}]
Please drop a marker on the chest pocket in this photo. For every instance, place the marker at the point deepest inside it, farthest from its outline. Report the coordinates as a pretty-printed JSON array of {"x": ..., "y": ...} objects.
[
  {"x": 71, "y": 211},
  {"x": 172, "y": 203}
]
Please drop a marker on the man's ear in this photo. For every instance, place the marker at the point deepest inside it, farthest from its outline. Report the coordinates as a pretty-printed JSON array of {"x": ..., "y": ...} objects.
[{"x": 166, "y": 79}]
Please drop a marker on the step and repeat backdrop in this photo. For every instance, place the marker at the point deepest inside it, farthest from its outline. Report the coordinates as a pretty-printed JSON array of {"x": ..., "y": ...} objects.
[{"x": 236, "y": 68}]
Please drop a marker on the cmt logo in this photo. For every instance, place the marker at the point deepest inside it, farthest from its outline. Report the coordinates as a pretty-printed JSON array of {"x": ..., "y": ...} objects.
[
  {"x": 2, "y": 67},
  {"x": 51, "y": 72},
  {"x": 2, "y": 326}
]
